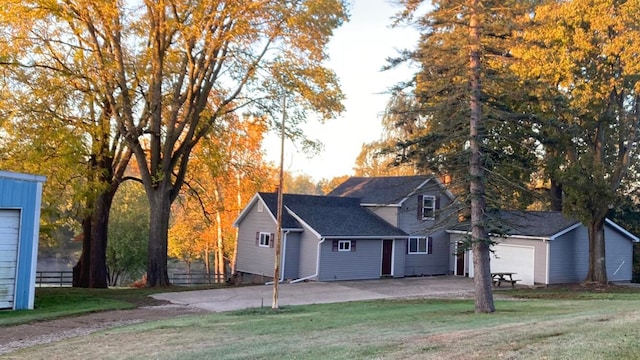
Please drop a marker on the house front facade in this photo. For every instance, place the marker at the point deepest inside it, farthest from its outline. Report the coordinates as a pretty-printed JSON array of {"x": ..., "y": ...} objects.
[
  {"x": 372, "y": 227},
  {"x": 366, "y": 228}
]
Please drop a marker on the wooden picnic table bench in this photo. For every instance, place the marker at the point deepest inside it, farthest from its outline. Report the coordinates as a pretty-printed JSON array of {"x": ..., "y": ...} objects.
[{"x": 504, "y": 277}]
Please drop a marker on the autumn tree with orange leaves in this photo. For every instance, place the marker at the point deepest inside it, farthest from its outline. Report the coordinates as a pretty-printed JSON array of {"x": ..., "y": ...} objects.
[{"x": 167, "y": 73}]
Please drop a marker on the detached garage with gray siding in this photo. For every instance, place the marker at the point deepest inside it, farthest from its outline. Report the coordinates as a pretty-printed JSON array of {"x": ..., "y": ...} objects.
[{"x": 20, "y": 199}]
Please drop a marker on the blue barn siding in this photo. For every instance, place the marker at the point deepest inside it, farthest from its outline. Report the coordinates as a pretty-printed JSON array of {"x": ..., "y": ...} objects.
[
  {"x": 364, "y": 263},
  {"x": 23, "y": 192}
]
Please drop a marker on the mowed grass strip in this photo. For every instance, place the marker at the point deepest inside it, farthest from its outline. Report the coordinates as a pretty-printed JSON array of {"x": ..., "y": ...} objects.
[{"x": 602, "y": 326}]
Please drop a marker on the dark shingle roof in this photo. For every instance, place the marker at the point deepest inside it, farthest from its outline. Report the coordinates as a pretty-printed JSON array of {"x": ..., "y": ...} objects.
[
  {"x": 379, "y": 190},
  {"x": 333, "y": 216},
  {"x": 525, "y": 223}
]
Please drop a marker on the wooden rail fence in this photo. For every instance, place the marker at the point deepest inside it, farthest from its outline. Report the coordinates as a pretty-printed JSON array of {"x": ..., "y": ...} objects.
[
  {"x": 65, "y": 279},
  {"x": 54, "y": 278},
  {"x": 196, "y": 278}
]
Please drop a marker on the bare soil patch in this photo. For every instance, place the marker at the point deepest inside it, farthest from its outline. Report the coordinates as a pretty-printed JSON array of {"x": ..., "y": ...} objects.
[{"x": 43, "y": 332}]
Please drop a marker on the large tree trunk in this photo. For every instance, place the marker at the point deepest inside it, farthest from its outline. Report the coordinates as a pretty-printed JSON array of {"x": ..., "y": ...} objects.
[
  {"x": 555, "y": 195},
  {"x": 597, "y": 257},
  {"x": 160, "y": 203},
  {"x": 91, "y": 269},
  {"x": 479, "y": 237},
  {"x": 82, "y": 269}
]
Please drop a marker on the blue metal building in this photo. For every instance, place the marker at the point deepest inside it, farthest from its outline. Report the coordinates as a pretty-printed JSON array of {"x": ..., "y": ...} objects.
[{"x": 20, "y": 199}]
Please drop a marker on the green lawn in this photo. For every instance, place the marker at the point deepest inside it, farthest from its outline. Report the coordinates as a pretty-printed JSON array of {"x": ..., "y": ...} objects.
[
  {"x": 550, "y": 323},
  {"x": 51, "y": 303}
]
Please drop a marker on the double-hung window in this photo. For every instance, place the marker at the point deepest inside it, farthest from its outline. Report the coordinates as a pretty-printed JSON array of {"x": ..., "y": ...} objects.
[
  {"x": 420, "y": 245},
  {"x": 428, "y": 207},
  {"x": 265, "y": 239}
]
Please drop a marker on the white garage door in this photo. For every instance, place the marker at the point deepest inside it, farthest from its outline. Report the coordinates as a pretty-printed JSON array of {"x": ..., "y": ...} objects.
[
  {"x": 516, "y": 259},
  {"x": 9, "y": 228}
]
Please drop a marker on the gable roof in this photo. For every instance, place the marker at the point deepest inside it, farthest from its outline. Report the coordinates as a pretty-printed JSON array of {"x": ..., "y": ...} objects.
[
  {"x": 538, "y": 224},
  {"x": 331, "y": 216},
  {"x": 547, "y": 224},
  {"x": 383, "y": 190}
]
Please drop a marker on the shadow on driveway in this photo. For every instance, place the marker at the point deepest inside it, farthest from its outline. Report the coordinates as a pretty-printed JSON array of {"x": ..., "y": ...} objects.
[{"x": 239, "y": 298}]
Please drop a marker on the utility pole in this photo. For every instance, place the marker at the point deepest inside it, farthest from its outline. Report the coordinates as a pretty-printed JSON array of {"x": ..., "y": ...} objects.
[{"x": 276, "y": 267}]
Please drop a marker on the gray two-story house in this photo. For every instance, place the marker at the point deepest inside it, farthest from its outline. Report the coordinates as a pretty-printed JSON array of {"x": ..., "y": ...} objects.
[
  {"x": 366, "y": 228},
  {"x": 372, "y": 227}
]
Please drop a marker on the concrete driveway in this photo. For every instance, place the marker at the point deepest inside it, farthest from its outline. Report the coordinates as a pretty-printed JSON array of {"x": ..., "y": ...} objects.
[{"x": 238, "y": 298}]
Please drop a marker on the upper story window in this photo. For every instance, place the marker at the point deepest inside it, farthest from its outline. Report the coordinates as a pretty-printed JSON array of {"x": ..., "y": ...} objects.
[
  {"x": 260, "y": 206},
  {"x": 264, "y": 239},
  {"x": 427, "y": 207}
]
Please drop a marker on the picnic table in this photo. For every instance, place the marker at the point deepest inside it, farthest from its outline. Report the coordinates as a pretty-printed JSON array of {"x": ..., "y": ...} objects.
[{"x": 504, "y": 277}]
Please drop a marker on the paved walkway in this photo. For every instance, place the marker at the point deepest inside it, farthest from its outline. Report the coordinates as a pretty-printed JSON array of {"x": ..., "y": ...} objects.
[{"x": 238, "y": 298}]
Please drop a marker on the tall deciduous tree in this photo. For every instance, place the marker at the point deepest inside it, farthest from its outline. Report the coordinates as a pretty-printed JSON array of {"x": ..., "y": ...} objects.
[
  {"x": 54, "y": 90},
  {"x": 586, "y": 50},
  {"x": 170, "y": 70}
]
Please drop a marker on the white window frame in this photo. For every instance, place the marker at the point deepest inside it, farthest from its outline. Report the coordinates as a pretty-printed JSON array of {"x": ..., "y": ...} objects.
[
  {"x": 344, "y": 245},
  {"x": 418, "y": 240},
  {"x": 265, "y": 239},
  {"x": 428, "y": 207},
  {"x": 260, "y": 207}
]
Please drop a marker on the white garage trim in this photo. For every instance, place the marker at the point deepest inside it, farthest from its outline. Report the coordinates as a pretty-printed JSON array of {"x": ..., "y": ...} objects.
[{"x": 9, "y": 241}]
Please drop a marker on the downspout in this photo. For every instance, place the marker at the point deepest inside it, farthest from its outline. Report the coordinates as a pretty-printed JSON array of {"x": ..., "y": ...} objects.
[{"x": 317, "y": 265}]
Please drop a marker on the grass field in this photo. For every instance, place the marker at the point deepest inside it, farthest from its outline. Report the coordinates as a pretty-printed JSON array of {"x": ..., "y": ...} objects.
[{"x": 552, "y": 324}]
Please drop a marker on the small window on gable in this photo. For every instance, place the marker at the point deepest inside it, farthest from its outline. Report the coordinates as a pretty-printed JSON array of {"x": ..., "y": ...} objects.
[
  {"x": 260, "y": 207},
  {"x": 420, "y": 245},
  {"x": 265, "y": 239}
]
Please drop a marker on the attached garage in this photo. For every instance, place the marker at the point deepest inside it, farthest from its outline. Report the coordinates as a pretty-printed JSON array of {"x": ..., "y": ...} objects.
[
  {"x": 20, "y": 198},
  {"x": 545, "y": 247},
  {"x": 517, "y": 259}
]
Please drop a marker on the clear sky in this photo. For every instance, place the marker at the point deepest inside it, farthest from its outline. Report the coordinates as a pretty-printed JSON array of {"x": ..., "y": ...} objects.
[{"x": 358, "y": 51}]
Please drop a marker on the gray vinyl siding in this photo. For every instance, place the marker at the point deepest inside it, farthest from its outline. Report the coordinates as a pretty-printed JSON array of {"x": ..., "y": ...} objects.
[
  {"x": 254, "y": 259},
  {"x": 399, "y": 257},
  {"x": 292, "y": 256},
  {"x": 619, "y": 252},
  {"x": 408, "y": 212},
  {"x": 364, "y": 263},
  {"x": 436, "y": 263},
  {"x": 308, "y": 254},
  {"x": 569, "y": 257}
]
